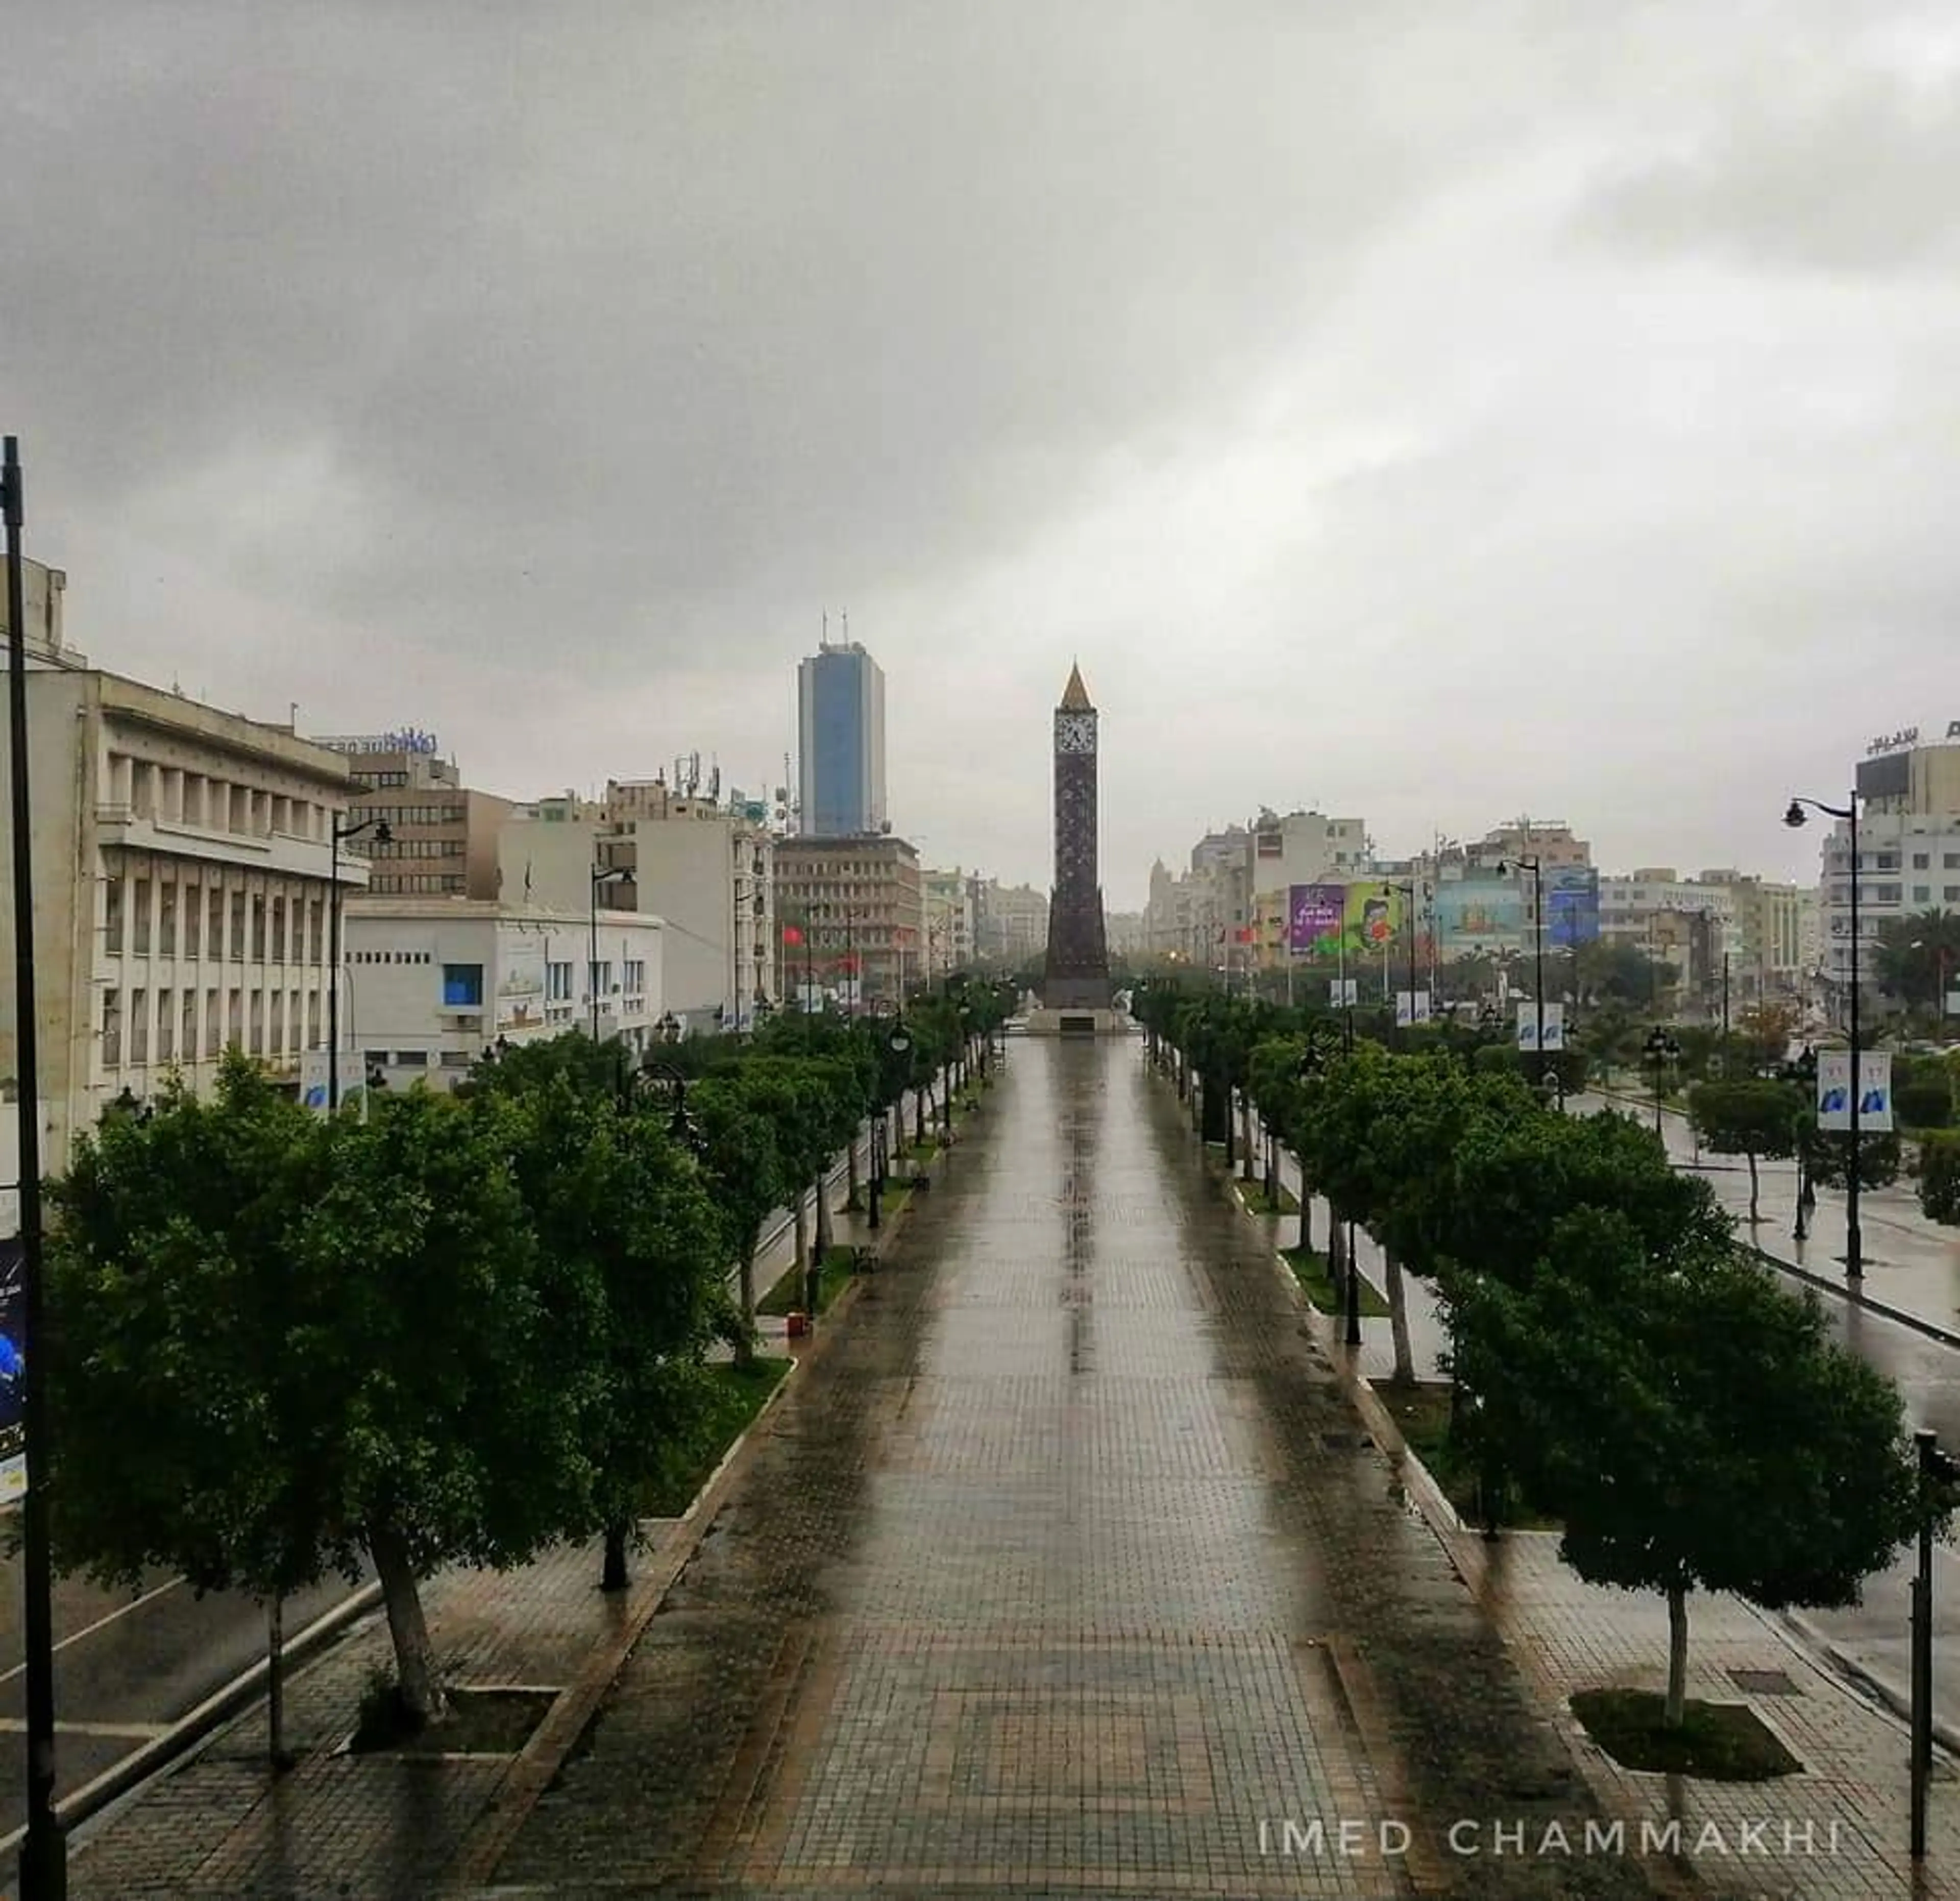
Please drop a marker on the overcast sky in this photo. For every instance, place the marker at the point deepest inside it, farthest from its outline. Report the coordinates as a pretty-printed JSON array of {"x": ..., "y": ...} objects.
[{"x": 1429, "y": 413}]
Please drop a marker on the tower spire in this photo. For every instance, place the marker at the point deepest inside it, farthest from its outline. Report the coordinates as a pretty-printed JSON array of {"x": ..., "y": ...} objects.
[{"x": 1075, "y": 696}]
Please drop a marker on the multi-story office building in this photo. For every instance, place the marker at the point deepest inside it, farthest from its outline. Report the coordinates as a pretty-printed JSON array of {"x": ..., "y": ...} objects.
[
  {"x": 1770, "y": 931},
  {"x": 431, "y": 982},
  {"x": 1908, "y": 852},
  {"x": 705, "y": 867},
  {"x": 182, "y": 857},
  {"x": 1678, "y": 922},
  {"x": 857, "y": 906},
  {"x": 1011, "y": 925},
  {"x": 444, "y": 834},
  {"x": 948, "y": 899},
  {"x": 841, "y": 730}
]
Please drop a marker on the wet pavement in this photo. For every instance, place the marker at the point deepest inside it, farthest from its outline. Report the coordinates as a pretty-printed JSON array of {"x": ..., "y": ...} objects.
[{"x": 1073, "y": 1571}]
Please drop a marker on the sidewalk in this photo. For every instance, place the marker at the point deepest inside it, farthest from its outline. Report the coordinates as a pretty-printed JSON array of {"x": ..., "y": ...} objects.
[{"x": 217, "y": 1824}]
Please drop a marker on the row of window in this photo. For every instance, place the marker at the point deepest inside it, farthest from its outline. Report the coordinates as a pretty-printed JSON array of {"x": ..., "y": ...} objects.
[
  {"x": 1889, "y": 861},
  {"x": 420, "y": 882},
  {"x": 184, "y": 917},
  {"x": 415, "y": 814},
  {"x": 418, "y": 848},
  {"x": 166, "y": 1026},
  {"x": 177, "y": 796},
  {"x": 367, "y": 781},
  {"x": 1840, "y": 894}
]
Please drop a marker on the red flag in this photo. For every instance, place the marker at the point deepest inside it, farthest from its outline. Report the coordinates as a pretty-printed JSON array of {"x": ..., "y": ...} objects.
[
  {"x": 1247, "y": 936},
  {"x": 791, "y": 934}
]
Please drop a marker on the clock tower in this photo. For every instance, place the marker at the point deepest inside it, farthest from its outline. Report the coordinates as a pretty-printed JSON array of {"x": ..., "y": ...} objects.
[{"x": 1077, "y": 976}]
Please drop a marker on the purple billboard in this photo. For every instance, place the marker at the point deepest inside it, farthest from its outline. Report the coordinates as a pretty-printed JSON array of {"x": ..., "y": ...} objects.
[{"x": 1315, "y": 915}]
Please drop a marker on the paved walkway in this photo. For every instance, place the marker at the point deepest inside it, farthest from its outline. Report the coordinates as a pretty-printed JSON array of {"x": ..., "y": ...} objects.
[{"x": 1071, "y": 1573}]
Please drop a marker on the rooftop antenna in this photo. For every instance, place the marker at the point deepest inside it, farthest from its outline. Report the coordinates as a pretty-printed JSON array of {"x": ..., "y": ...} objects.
[{"x": 846, "y": 641}]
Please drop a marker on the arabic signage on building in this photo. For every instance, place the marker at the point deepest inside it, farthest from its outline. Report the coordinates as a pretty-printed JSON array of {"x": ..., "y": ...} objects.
[{"x": 1905, "y": 736}]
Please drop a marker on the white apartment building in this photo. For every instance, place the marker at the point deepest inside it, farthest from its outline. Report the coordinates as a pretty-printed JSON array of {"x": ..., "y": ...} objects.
[
  {"x": 1679, "y": 921},
  {"x": 430, "y": 983},
  {"x": 181, "y": 875},
  {"x": 706, "y": 869}
]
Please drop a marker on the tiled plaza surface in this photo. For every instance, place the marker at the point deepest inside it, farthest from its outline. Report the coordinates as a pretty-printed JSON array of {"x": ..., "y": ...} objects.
[{"x": 1070, "y": 1573}]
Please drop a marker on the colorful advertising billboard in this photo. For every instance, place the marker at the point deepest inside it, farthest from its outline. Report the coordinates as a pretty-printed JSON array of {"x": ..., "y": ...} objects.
[
  {"x": 1571, "y": 904},
  {"x": 1314, "y": 912},
  {"x": 1480, "y": 914},
  {"x": 1374, "y": 917}
]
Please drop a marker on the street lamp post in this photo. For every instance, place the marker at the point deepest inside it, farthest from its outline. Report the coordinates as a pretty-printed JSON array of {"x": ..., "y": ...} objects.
[
  {"x": 601, "y": 874},
  {"x": 1661, "y": 1049},
  {"x": 44, "y": 1853},
  {"x": 383, "y": 835},
  {"x": 1532, "y": 867},
  {"x": 1407, "y": 893},
  {"x": 1854, "y": 1245}
]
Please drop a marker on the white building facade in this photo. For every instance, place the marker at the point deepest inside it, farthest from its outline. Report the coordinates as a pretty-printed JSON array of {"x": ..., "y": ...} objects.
[
  {"x": 181, "y": 873},
  {"x": 429, "y": 984}
]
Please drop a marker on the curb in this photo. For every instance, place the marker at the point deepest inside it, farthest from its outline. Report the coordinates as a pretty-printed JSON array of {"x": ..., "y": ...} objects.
[
  {"x": 532, "y": 1772},
  {"x": 1824, "y": 1284}
]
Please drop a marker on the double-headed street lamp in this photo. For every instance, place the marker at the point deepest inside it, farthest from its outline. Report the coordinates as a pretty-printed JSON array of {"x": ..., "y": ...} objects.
[
  {"x": 899, "y": 1042},
  {"x": 383, "y": 835},
  {"x": 601, "y": 874},
  {"x": 1661, "y": 1049},
  {"x": 1854, "y": 1245}
]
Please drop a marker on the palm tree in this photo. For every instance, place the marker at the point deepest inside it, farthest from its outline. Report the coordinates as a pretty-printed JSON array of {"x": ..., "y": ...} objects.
[{"x": 1917, "y": 957}]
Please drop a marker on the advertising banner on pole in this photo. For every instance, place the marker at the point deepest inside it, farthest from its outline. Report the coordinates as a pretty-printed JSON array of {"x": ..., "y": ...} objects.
[
  {"x": 1834, "y": 1089},
  {"x": 1342, "y": 993},
  {"x": 1411, "y": 1009},
  {"x": 1554, "y": 1025},
  {"x": 12, "y": 1365},
  {"x": 1314, "y": 914},
  {"x": 1875, "y": 1091}
]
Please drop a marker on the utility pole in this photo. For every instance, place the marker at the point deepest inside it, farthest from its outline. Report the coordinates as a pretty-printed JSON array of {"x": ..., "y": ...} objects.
[{"x": 43, "y": 1853}]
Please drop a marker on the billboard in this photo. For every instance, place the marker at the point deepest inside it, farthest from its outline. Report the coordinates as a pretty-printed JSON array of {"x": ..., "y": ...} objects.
[
  {"x": 1314, "y": 913},
  {"x": 1571, "y": 904},
  {"x": 1478, "y": 914},
  {"x": 13, "y": 1368},
  {"x": 1373, "y": 918},
  {"x": 1554, "y": 1026},
  {"x": 1874, "y": 1091}
]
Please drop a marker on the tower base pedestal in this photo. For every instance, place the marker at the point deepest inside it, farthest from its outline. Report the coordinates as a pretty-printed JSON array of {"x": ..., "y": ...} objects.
[{"x": 1045, "y": 1022}]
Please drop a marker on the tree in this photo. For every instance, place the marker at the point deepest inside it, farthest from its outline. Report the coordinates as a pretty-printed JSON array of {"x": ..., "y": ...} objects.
[
  {"x": 750, "y": 1176},
  {"x": 1692, "y": 1427},
  {"x": 1880, "y": 1156},
  {"x": 1760, "y": 1120},
  {"x": 1916, "y": 955},
  {"x": 1939, "y": 1178},
  {"x": 286, "y": 1342}
]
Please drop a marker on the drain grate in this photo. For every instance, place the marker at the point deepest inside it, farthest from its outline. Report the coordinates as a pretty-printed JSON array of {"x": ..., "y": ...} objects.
[{"x": 1764, "y": 1682}]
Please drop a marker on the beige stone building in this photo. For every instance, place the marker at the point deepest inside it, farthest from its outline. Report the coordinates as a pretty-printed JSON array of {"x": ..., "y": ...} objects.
[
  {"x": 444, "y": 842},
  {"x": 857, "y": 905},
  {"x": 181, "y": 862}
]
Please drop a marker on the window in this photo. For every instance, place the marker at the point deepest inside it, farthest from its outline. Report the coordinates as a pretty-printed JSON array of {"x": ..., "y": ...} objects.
[
  {"x": 316, "y": 937},
  {"x": 1886, "y": 894},
  {"x": 1950, "y": 893},
  {"x": 214, "y": 1025},
  {"x": 456, "y": 1059},
  {"x": 166, "y": 920},
  {"x": 1950, "y": 862},
  {"x": 235, "y": 1029},
  {"x": 557, "y": 982},
  {"x": 112, "y": 915},
  {"x": 1889, "y": 861},
  {"x": 112, "y": 1030},
  {"x": 237, "y": 928},
  {"x": 312, "y": 1019},
  {"x": 275, "y": 1039},
  {"x": 1921, "y": 894},
  {"x": 213, "y": 941},
  {"x": 278, "y": 930},
  {"x": 293, "y": 1004},
  {"x": 374, "y": 1059},
  {"x": 636, "y": 977},
  {"x": 187, "y": 1043},
  {"x": 1920, "y": 861},
  {"x": 463, "y": 985},
  {"x": 258, "y": 927},
  {"x": 257, "y": 1047},
  {"x": 602, "y": 979},
  {"x": 193, "y": 918},
  {"x": 412, "y": 1059}
]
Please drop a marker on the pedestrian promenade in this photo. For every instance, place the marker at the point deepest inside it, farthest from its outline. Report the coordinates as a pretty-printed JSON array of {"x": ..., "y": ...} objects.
[{"x": 1064, "y": 1564}]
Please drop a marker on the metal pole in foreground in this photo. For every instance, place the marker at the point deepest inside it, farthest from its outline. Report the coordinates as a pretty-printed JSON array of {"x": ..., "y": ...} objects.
[{"x": 44, "y": 1854}]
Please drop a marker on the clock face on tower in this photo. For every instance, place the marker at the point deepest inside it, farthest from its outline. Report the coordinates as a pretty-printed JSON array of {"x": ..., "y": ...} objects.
[{"x": 1075, "y": 733}]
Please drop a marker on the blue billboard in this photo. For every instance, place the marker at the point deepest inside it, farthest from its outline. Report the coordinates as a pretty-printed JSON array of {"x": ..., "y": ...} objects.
[{"x": 1571, "y": 904}]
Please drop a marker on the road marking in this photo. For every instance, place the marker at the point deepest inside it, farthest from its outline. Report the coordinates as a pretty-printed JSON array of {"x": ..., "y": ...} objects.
[{"x": 100, "y": 1623}]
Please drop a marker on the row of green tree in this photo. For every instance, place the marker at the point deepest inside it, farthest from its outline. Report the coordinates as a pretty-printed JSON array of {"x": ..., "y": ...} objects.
[
  {"x": 455, "y": 1328},
  {"x": 1616, "y": 1359}
]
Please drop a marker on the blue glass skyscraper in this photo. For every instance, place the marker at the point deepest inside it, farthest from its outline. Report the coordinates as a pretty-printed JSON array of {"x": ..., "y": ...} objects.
[{"x": 841, "y": 728}]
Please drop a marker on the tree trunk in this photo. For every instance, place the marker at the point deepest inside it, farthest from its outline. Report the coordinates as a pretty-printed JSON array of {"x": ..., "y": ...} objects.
[
  {"x": 1225, "y": 1100},
  {"x": 824, "y": 1227},
  {"x": 918, "y": 1117},
  {"x": 415, "y": 1656},
  {"x": 1336, "y": 1252},
  {"x": 1399, "y": 1328},
  {"x": 1753, "y": 1217},
  {"x": 1245, "y": 1135},
  {"x": 745, "y": 1346},
  {"x": 1676, "y": 1655},
  {"x": 802, "y": 1257},
  {"x": 1305, "y": 1214},
  {"x": 613, "y": 1576},
  {"x": 854, "y": 1198}
]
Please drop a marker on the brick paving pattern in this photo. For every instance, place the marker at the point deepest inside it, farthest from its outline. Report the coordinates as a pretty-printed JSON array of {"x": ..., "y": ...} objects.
[{"x": 1071, "y": 1573}]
